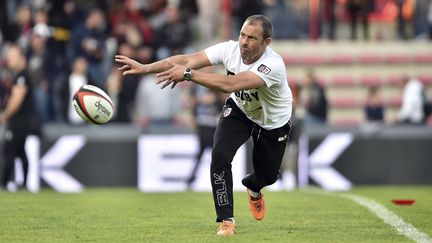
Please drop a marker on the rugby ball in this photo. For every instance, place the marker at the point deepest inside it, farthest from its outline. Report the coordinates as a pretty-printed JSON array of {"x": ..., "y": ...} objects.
[{"x": 93, "y": 105}]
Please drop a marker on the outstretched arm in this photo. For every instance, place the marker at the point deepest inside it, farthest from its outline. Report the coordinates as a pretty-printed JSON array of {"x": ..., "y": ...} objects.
[
  {"x": 194, "y": 61},
  {"x": 219, "y": 82}
]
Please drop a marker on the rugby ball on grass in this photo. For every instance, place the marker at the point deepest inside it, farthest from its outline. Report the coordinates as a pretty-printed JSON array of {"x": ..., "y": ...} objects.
[{"x": 93, "y": 105}]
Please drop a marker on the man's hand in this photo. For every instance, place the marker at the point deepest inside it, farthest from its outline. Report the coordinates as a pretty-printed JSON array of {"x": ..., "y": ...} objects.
[
  {"x": 130, "y": 66},
  {"x": 172, "y": 76}
]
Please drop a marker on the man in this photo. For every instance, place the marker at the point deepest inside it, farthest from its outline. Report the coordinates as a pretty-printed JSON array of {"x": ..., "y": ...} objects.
[
  {"x": 18, "y": 115},
  {"x": 259, "y": 107},
  {"x": 411, "y": 111},
  {"x": 314, "y": 100}
]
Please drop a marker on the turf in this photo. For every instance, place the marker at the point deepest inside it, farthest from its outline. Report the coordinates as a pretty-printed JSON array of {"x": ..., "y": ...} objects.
[{"x": 126, "y": 215}]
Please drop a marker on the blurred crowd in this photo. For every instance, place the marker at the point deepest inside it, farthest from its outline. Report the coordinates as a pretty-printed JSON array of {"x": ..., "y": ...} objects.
[{"x": 70, "y": 43}]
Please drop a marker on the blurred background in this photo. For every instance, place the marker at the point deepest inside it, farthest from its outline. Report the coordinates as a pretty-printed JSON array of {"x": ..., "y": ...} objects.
[{"x": 351, "y": 65}]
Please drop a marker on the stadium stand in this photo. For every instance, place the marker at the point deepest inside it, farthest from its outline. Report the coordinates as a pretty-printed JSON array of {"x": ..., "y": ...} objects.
[{"x": 347, "y": 69}]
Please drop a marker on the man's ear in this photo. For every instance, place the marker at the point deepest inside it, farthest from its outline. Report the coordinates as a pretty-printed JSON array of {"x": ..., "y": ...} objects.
[{"x": 267, "y": 41}]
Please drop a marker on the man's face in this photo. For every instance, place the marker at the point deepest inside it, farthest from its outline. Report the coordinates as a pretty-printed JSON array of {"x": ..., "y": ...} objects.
[
  {"x": 252, "y": 44},
  {"x": 13, "y": 58}
]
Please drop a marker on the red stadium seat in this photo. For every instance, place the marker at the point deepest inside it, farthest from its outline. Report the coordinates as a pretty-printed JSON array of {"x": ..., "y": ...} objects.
[
  {"x": 343, "y": 80},
  {"x": 423, "y": 58},
  {"x": 291, "y": 60},
  {"x": 292, "y": 81},
  {"x": 313, "y": 60},
  {"x": 369, "y": 58},
  {"x": 394, "y": 79},
  {"x": 371, "y": 80},
  {"x": 425, "y": 78},
  {"x": 397, "y": 58},
  {"x": 341, "y": 59},
  {"x": 345, "y": 102},
  {"x": 394, "y": 101}
]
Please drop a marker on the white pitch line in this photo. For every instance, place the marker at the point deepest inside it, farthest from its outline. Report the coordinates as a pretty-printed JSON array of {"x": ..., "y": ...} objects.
[
  {"x": 390, "y": 218},
  {"x": 385, "y": 214}
]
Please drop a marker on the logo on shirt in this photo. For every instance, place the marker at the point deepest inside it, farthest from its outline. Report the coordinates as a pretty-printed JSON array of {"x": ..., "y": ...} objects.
[
  {"x": 227, "y": 112},
  {"x": 264, "y": 69}
]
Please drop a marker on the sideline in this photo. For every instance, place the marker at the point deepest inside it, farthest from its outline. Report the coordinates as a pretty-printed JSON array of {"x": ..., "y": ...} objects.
[{"x": 382, "y": 212}]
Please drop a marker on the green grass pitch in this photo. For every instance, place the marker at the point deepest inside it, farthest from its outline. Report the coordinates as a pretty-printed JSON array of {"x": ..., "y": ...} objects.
[{"x": 126, "y": 215}]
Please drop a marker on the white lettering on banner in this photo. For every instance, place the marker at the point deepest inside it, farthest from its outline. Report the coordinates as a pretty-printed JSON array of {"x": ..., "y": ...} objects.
[
  {"x": 32, "y": 151},
  {"x": 52, "y": 163},
  {"x": 166, "y": 161},
  {"x": 323, "y": 156},
  {"x": 32, "y": 148}
]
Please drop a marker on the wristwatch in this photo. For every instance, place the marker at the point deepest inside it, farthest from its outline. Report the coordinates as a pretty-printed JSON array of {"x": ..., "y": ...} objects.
[{"x": 187, "y": 75}]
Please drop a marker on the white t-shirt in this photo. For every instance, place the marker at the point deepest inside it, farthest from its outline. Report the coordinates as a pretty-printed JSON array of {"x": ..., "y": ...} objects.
[
  {"x": 270, "y": 105},
  {"x": 412, "y": 102}
]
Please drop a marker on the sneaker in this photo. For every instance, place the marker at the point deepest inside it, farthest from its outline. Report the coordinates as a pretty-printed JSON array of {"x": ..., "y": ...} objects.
[
  {"x": 257, "y": 207},
  {"x": 226, "y": 228}
]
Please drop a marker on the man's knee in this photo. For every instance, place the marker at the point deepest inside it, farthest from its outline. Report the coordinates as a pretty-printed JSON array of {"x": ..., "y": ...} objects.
[
  {"x": 221, "y": 156},
  {"x": 269, "y": 179}
]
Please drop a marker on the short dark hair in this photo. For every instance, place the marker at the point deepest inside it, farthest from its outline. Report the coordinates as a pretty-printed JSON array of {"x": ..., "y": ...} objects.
[{"x": 265, "y": 22}]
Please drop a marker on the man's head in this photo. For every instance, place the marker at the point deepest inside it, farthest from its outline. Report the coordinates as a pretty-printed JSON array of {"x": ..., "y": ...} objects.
[
  {"x": 15, "y": 58},
  {"x": 255, "y": 36}
]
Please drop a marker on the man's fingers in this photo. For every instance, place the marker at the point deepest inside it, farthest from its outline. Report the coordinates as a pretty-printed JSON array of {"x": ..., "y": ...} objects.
[
  {"x": 173, "y": 85},
  {"x": 121, "y": 58},
  {"x": 162, "y": 74},
  {"x": 124, "y": 67},
  {"x": 162, "y": 79},
  {"x": 167, "y": 82}
]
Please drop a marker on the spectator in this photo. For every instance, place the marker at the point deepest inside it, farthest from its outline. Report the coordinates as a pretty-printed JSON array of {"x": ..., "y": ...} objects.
[
  {"x": 360, "y": 9},
  {"x": 38, "y": 68},
  {"x": 156, "y": 108},
  {"x": 427, "y": 107},
  {"x": 289, "y": 166},
  {"x": 88, "y": 41},
  {"x": 404, "y": 14},
  {"x": 419, "y": 18},
  {"x": 207, "y": 107},
  {"x": 123, "y": 89},
  {"x": 21, "y": 29},
  {"x": 77, "y": 78},
  {"x": 411, "y": 111},
  {"x": 65, "y": 14},
  {"x": 430, "y": 20},
  {"x": 174, "y": 36},
  {"x": 130, "y": 15},
  {"x": 4, "y": 28},
  {"x": 331, "y": 12},
  {"x": 240, "y": 12},
  {"x": 19, "y": 115},
  {"x": 374, "y": 108},
  {"x": 208, "y": 18},
  {"x": 314, "y": 100}
]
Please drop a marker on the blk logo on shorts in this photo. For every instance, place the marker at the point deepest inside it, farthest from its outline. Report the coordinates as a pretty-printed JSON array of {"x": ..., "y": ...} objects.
[
  {"x": 227, "y": 112},
  {"x": 221, "y": 193}
]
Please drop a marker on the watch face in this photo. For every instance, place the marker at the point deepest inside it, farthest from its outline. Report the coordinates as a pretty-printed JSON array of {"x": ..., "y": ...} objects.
[{"x": 187, "y": 74}]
